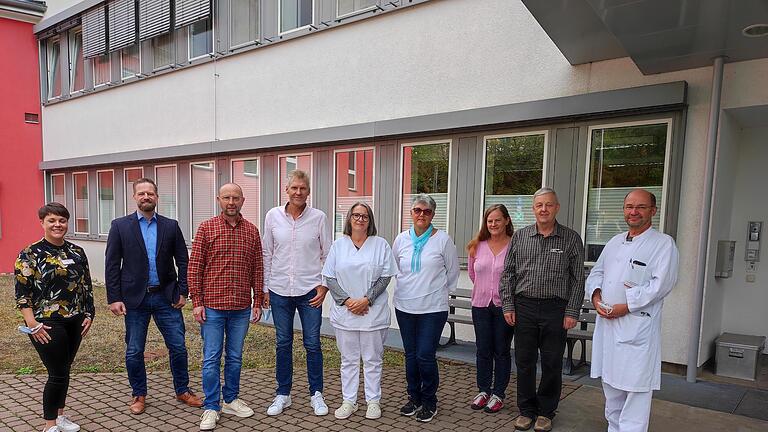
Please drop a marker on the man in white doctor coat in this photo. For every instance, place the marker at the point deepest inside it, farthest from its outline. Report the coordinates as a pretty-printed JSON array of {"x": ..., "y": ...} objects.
[{"x": 634, "y": 273}]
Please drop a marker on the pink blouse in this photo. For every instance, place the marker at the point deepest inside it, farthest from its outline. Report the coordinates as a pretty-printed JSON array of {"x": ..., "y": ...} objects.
[{"x": 485, "y": 271}]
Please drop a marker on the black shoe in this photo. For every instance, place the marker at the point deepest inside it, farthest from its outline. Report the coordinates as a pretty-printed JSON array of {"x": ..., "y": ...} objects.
[
  {"x": 409, "y": 408},
  {"x": 425, "y": 414}
]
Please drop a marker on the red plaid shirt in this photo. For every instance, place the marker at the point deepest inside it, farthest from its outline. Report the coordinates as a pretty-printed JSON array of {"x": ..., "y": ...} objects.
[{"x": 226, "y": 269}]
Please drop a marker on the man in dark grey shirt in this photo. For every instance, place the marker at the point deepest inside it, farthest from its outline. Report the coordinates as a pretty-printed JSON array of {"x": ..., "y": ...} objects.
[{"x": 542, "y": 289}]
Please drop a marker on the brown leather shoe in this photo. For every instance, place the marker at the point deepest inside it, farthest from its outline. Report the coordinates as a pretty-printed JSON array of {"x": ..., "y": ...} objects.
[
  {"x": 190, "y": 399},
  {"x": 543, "y": 424},
  {"x": 137, "y": 404},
  {"x": 523, "y": 423}
]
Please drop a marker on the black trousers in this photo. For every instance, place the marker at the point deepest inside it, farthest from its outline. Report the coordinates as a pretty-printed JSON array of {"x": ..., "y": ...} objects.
[
  {"x": 57, "y": 356},
  {"x": 539, "y": 328}
]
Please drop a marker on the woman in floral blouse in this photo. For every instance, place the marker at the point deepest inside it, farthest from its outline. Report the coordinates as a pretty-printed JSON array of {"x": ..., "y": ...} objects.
[{"x": 54, "y": 294}]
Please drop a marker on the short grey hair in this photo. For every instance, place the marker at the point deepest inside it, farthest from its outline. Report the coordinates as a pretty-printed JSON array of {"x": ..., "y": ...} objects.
[
  {"x": 546, "y": 191},
  {"x": 297, "y": 175},
  {"x": 423, "y": 198}
]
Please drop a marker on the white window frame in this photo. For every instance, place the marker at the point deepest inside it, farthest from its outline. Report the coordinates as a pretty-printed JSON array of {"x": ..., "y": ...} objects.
[
  {"x": 448, "y": 203},
  {"x": 191, "y": 192},
  {"x": 664, "y": 181},
  {"x": 63, "y": 176},
  {"x": 71, "y": 34},
  {"x": 355, "y": 12},
  {"x": 545, "y": 161},
  {"x": 280, "y": 190},
  {"x": 98, "y": 198},
  {"x": 176, "y": 188},
  {"x": 351, "y": 172},
  {"x": 126, "y": 78},
  {"x": 74, "y": 198},
  {"x": 128, "y": 193},
  {"x": 189, "y": 40},
  {"x": 248, "y": 43},
  {"x": 261, "y": 185},
  {"x": 48, "y": 81},
  {"x": 373, "y": 176},
  {"x": 280, "y": 20},
  {"x": 93, "y": 70}
]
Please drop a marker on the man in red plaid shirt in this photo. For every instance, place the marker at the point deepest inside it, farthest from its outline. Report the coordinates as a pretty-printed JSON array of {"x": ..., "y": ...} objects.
[{"x": 226, "y": 280}]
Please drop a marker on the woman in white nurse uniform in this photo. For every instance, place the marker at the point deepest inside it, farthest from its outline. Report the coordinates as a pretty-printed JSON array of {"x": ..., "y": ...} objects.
[{"x": 357, "y": 271}]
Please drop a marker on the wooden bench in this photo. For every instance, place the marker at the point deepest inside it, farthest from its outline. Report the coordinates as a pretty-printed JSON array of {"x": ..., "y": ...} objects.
[
  {"x": 461, "y": 299},
  {"x": 581, "y": 333}
]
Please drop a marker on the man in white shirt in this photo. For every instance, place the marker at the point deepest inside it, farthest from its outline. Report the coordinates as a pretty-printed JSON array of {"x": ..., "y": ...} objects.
[
  {"x": 295, "y": 241},
  {"x": 634, "y": 273}
]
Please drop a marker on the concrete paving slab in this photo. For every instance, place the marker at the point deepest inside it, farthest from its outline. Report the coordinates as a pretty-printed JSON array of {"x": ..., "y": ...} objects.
[{"x": 754, "y": 404}]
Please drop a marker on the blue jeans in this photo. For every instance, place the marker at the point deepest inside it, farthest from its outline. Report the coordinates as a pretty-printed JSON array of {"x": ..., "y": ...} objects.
[
  {"x": 170, "y": 322},
  {"x": 218, "y": 325},
  {"x": 283, "y": 310},
  {"x": 493, "y": 337},
  {"x": 421, "y": 335}
]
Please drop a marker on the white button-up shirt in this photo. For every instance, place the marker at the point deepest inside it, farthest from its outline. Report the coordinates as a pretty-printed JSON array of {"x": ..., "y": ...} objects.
[{"x": 294, "y": 250}]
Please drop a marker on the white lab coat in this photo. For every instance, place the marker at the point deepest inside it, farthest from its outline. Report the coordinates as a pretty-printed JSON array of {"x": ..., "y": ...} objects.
[{"x": 626, "y": 352}]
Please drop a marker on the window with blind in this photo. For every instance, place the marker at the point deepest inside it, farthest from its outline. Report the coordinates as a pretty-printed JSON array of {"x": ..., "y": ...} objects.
[
  {"x": 53, "y": 67},
  {"x": 243, "y": 22},
  {"x": 514, "y": 170},
  {"x": 106, "y": 199},
  {"x": 351, "y": 188},
  {"x": 346, "y": 7},
  {"x": 131, "y": 175},
  {"x": 163, "y": 52},
  {"x": 425, "y": 170},
  {"x": 76, "y": 72},
  {"x": 246, "y": 173},
  {"x": 154, "y": 18},
  {"x": 290, "y": 163},
  {"x": 621, "y": 158},
  {"x": 200, "y": 39},
  {"x": 121, "y": 23},
  {"x": 57, "y": 189},
  {"x": 165, "y": 177},
  {"x": 80, "y": 210},
  {"x": 295, "y": 14},
  {"x": 203, "y": 193},
  {"x": 102, "y": 70},
  {"x": 130, "y": 61}
]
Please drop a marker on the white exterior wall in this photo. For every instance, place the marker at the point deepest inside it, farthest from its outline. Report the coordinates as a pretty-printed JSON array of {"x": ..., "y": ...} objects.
[{"x": 421, "y": 60}]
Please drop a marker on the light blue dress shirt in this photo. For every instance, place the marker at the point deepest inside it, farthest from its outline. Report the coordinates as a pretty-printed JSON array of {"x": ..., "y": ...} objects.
[{"x": 149, "y": 232}]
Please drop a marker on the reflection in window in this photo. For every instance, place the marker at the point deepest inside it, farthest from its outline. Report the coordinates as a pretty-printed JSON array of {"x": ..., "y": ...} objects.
[
  {"x": 102, "y": 70},
  {"x": 76, "y": 72},
  {"x": 53, "y": 67},
  {"x": 200, "y": 39},
  {"x": 203, "y": 185},
  {"x": 514, "y": 167},
  {"x": 162, "y": 51},
  {"x": 165, "y": 177},
  {"x": 131, "y": 175},
  {"x": 57, "y": 189},
  {"x": 130, "y": 62},
  {"x": 621, "y": 159},
  {"x": 244, "y": 22},
  {"x": 295, "y": 14},
  {"x": 246, "y": 174},
  {"x": 352, "y": 188},
  {"x": 106, "y": 199},
  {"x": 425, "y": 170},
  {"x": 80, "y": 212},
  {"x": 289, "y": 164},
  {"x": 348, "y": 6}
]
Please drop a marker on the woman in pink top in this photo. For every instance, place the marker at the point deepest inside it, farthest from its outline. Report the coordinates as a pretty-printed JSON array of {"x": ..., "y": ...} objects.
[{"x": 493, "y": 336}]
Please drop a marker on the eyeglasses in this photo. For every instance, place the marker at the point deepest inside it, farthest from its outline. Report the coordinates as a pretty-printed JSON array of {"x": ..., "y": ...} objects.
[
  {"x": 642, "y": 207},
  {"x": 360, "y": 217},
  {"x": 418, "y": 211}
]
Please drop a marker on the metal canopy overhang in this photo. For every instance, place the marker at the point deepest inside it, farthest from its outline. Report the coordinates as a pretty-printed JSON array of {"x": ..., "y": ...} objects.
[{"x": 658, "y": 35}]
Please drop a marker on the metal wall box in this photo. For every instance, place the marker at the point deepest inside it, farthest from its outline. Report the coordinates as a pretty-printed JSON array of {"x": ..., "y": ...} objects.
[
  {"x": 726, "y": 250},
  {"x": 737, "y": 355}
]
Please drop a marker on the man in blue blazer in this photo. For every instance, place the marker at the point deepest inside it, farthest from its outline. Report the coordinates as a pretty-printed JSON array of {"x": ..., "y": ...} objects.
[{"x": 143, "y": 283}]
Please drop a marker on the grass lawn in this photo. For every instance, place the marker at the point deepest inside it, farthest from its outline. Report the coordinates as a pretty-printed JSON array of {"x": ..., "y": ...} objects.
[{"x": 103, "y": 350}]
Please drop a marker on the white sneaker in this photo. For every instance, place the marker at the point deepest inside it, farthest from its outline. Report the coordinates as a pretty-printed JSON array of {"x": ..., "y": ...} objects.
[
  {"x": 374, "y": 410},
  {"x": 346, "y": 409},
  {"x": 280, "y": 403},
  {"x": 52, "y": 429},
  {"x": 208, "y": 420},
  {"x": 238, "y": 408},
  {"x": 66, "y": 425},
  {"x": 318, "y": 403}
]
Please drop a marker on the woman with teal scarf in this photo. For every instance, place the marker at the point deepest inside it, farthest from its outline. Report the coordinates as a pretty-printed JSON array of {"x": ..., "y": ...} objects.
[{"x": 428, "y": 271}]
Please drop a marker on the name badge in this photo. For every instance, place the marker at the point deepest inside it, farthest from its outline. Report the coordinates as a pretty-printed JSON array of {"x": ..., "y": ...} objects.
[
  {"x": 67, "y": 262},
  {"x": 556, "y": 250}
]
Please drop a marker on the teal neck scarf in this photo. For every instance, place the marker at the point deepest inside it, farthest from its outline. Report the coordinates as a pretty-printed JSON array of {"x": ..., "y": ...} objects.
[{"x": 418, "y": 245}]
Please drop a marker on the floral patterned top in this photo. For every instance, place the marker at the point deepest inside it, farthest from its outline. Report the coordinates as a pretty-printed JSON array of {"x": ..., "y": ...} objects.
[{"x": 54, "y": 280}]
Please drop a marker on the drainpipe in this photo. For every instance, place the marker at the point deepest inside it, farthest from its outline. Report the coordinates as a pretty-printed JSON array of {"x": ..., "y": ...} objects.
[{"x": 706, "y": 208}]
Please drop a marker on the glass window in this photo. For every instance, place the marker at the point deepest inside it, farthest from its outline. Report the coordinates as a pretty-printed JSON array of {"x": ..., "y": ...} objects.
[
  {"x": 102, "y": 70},
  {"x": 295, "y": 14},
  {"x": 53, "y": 67},
  {"x": 165, "y": 177},
  {"x": 130, "y": 61},
  {"x": 57, "y": 189},
  {"x": 76, "y": 72},
  {"x": 162, "y": 51},
  {"x": 203, "y": 186},
  {"x": 621, "y": 159},
  {"x": 246, "y": 174},
  {"x": 425, "y": 170},
  {"x": 349, "y": 188},
  {"x": 131, "y": 175},
  {"x": 289, "y": 164},
  {"x": 514, "y": 170},
  {"x": 80, "y": 213},
  {"x": 200, "y": 39},
  {"x": 244, "y": 22},
  {"x": 348, "y": 6},
  {"x": 106, "y": 180}
]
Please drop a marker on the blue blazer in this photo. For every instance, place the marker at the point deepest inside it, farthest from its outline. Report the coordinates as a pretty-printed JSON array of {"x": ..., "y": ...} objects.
[{"x": 126, "y": 265}]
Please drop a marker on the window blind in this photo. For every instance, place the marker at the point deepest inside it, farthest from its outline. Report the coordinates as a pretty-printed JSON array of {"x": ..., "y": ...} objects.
[{"x": 94, "y": 32}]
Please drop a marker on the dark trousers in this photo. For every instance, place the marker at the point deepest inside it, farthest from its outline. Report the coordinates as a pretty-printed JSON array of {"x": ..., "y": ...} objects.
[
  {"x": 57, "y": 356},
  {"x": 539, "y": 328},
  {"x": 493, "y": 338},
  {"x": 421, "y": 335}
]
